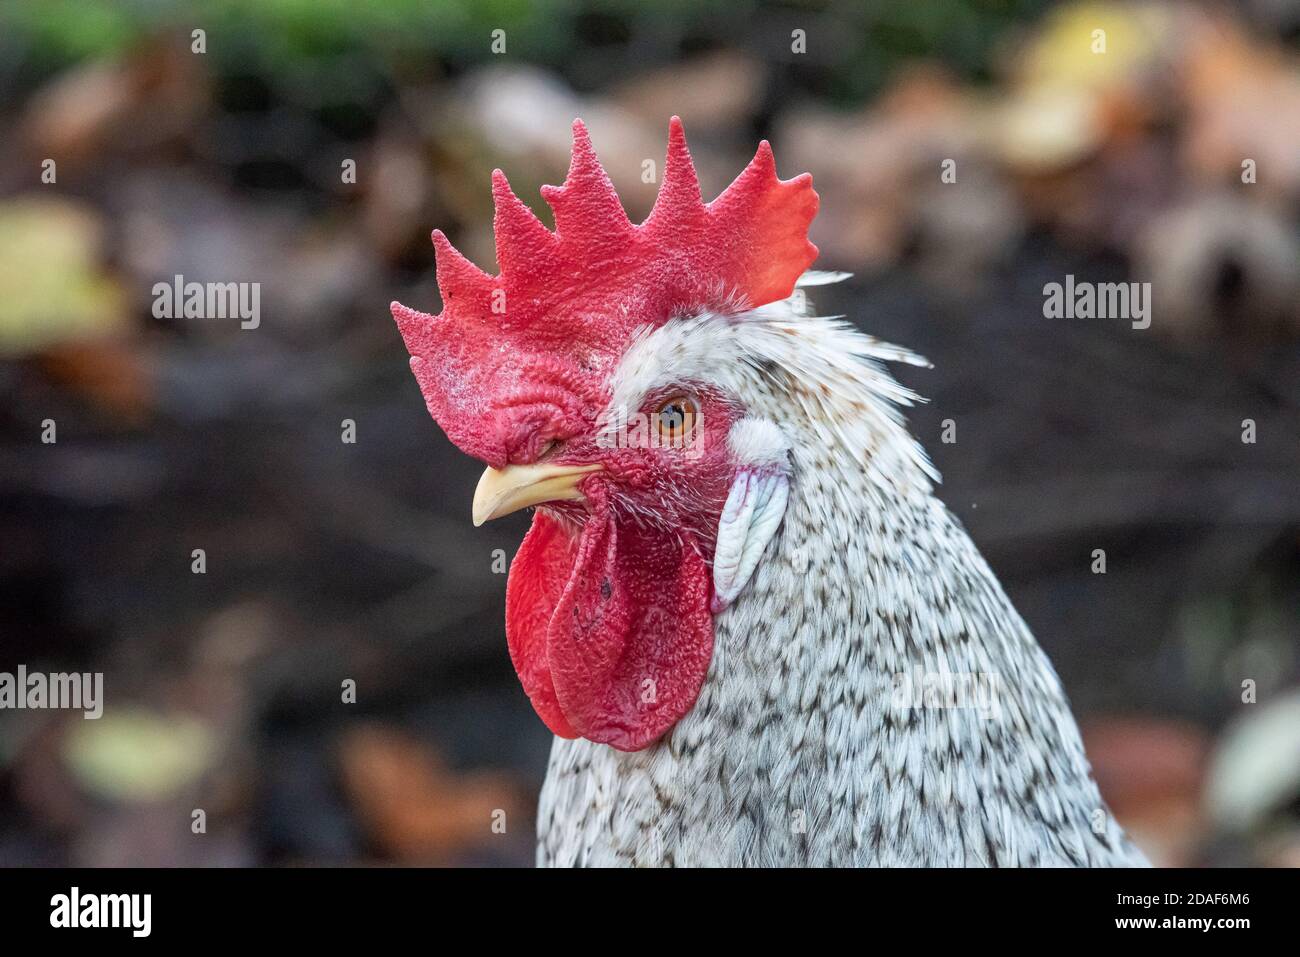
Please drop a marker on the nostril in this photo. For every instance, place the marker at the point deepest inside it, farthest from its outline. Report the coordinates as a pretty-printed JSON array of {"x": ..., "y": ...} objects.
[
  {"x": 535, "y": 447},
  {"x": 532, "y": 429}
]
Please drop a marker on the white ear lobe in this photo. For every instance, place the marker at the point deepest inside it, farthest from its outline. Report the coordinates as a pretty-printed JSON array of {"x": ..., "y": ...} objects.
[{"x": 754, "y": 509}]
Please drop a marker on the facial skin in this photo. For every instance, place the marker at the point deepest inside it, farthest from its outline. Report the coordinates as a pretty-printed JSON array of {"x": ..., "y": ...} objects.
[
  {"x": 610, "y": 598},
  {"x": 658, "y": 466}
]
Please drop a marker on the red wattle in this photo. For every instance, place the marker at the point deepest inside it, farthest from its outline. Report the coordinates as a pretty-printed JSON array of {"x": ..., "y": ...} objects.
[
  {"x": 537, "y": 578},
  {"x": 610, "y": 632}
]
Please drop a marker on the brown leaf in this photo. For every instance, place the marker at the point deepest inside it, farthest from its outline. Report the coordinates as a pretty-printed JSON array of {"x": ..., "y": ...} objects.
[{"x": 414, "y": 807}]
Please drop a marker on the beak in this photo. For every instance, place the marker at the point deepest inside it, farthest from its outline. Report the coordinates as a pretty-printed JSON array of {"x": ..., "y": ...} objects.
[{"x": 502, "y": 491}]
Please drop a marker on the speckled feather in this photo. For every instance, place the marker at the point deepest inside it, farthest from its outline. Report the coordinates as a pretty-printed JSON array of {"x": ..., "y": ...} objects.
[{"x": 794, "y": 754}]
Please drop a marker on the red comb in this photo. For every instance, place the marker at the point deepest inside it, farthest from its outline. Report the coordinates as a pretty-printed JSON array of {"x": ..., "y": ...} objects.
[{"x": 566, "y": 302}]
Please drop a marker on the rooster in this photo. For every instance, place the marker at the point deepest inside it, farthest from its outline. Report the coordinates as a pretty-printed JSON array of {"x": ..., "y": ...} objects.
[{"x": 740, "y": 607}]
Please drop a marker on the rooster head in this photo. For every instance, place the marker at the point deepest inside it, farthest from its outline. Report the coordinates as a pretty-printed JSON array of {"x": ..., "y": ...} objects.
[{"x": 657, "y": 489}]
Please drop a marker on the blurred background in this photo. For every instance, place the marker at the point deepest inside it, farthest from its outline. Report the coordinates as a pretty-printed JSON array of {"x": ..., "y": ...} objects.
[{"x": 330, "y": 561}]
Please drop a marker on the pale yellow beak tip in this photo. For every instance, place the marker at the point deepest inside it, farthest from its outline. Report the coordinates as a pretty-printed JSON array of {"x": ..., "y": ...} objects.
[{"x": 502, "y": 491}]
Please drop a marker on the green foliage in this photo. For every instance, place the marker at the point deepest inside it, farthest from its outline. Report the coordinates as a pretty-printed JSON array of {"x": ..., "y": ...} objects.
[
  {"x": 56, "y": 32},
  {"x": 886, "y": 34},
  {"x": 74, "y": 29},
  {"x": 855, "y": 44}
]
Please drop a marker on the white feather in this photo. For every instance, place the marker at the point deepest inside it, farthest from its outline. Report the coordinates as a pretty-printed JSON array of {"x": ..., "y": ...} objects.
[{"x": 794, "y": 753}]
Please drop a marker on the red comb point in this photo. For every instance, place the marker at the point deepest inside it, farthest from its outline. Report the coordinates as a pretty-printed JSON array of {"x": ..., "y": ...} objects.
[
  {"x": 588, "y": 212},
  {"x": 574, "y": 296},
  {"x": 521, "y": 237},
  {"x": 458, "y": 278},
  {"x": 678, "y": 203}
]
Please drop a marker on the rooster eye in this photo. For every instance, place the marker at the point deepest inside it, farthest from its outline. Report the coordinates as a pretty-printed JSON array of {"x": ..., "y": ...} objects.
[{"x": 676, "y": 417}]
